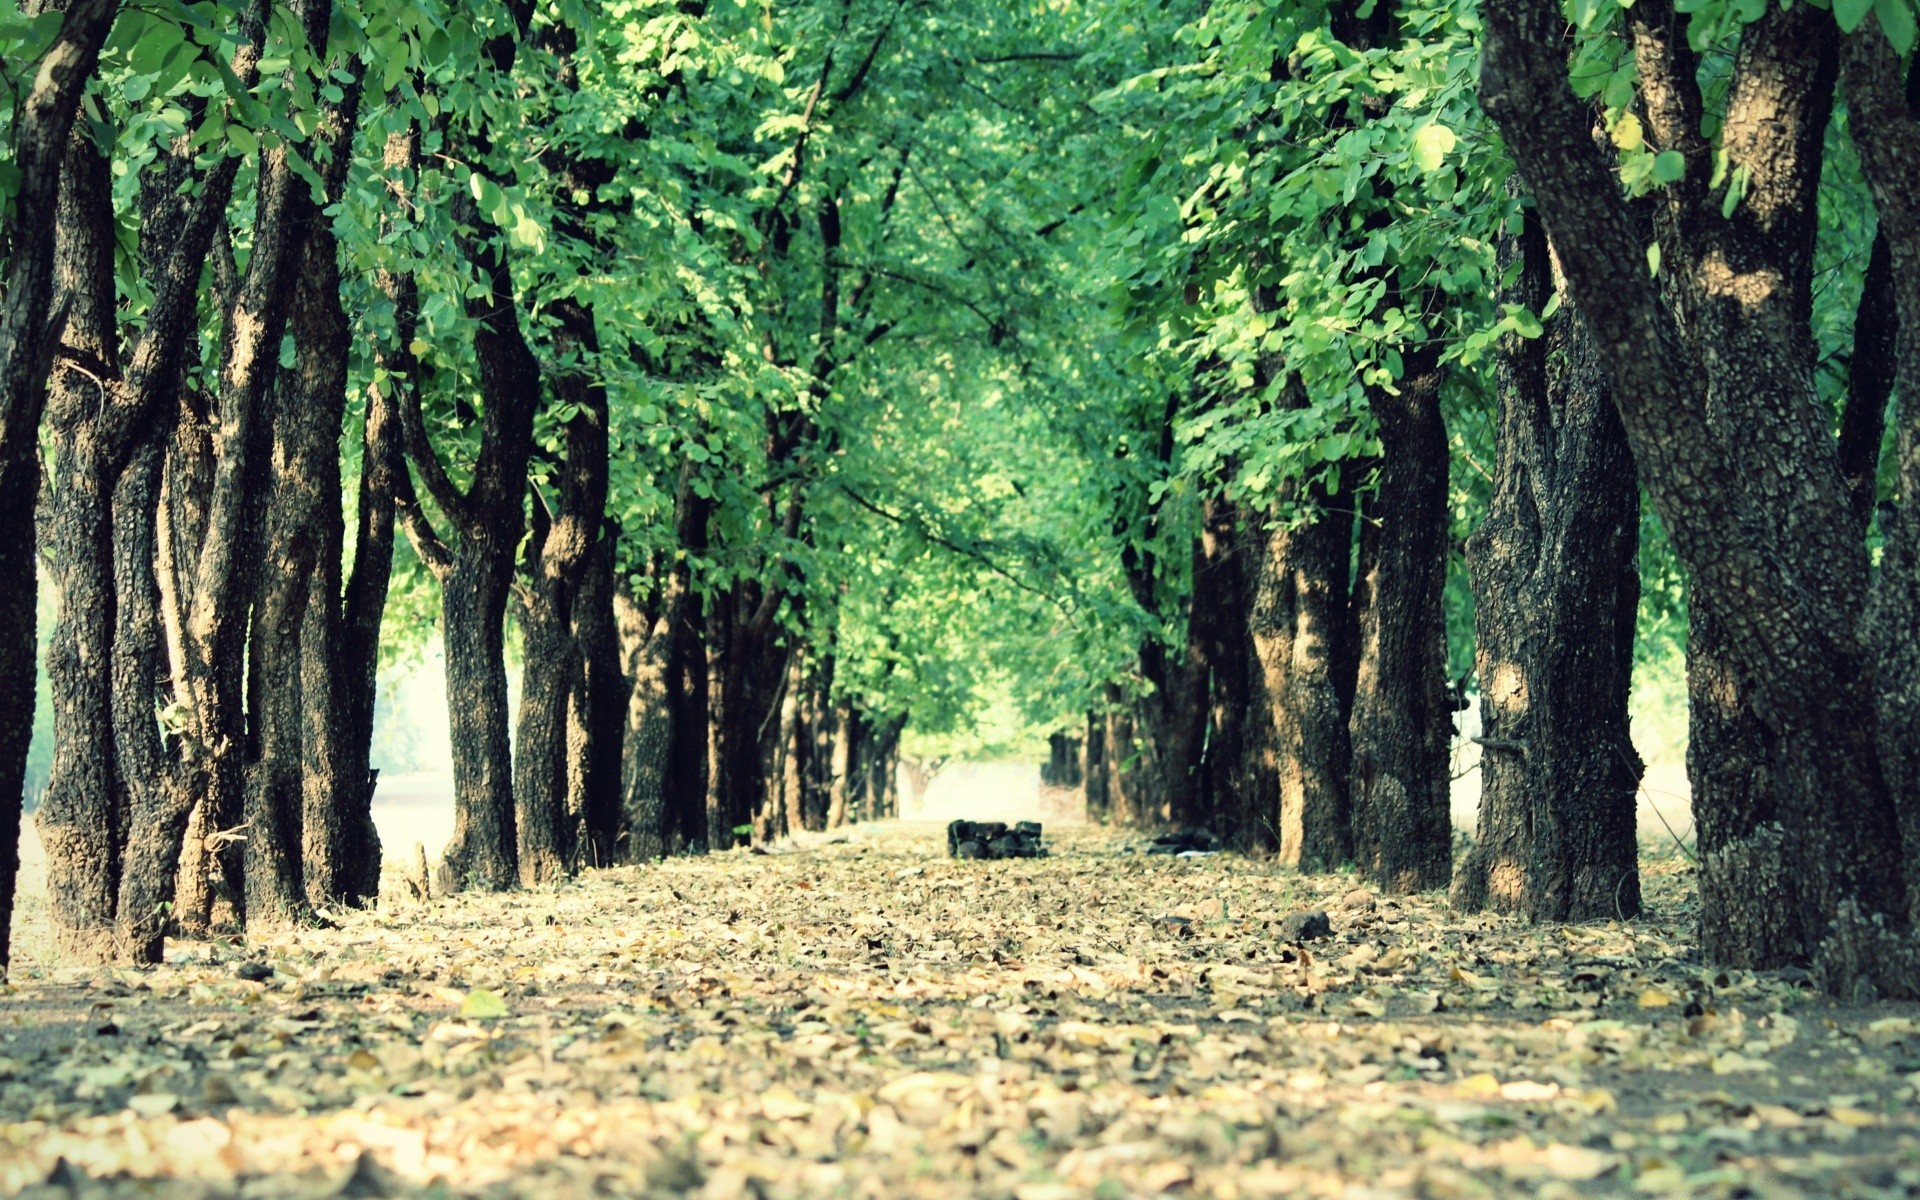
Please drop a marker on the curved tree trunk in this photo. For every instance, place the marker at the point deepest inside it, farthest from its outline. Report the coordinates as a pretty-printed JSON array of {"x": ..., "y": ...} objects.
[
  {"x": 1402, "y": 721},
  {"x": 1555, "y": 571}
]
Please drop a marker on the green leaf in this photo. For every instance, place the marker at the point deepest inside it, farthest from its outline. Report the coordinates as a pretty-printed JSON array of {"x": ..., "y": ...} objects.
[
  {"x": 1524, "y": 322},
  {"x": 1432, "y": 145},
  {"x": 1850, "y": 13},
  {"x": 1653, "y": 259},
  {"x": 1897, "y": 22},
  {"x": 1669, "y": 166},
  {"x": 483, "y": 1005},
  {"x": 1627, "y": 133}
]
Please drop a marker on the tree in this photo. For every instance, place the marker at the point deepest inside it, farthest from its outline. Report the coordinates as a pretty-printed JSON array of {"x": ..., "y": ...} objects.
[{"x": 1740, "y": 466}]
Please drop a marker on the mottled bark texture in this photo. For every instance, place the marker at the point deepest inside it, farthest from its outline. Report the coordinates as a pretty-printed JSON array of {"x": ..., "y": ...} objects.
[
  {"x": 476, "y": 571},
  {"x": 596, "y": 713},
  {"x": 256, "y": 444},
  {"x": 643, "y": 754},
  {"x": 102, "y": 406},
  {"x": 1238, "y": 785},
  {"x": 29, "y": 330},
  {"x": 1402, "y": 719},
  {"x": 1297, "y": 623},
  {"x": 1556, "y": 587},
  {"x": 558, "y": 554},
  {"x": 1885, "y": 123},
  {"x": 1711, "y": 370}
]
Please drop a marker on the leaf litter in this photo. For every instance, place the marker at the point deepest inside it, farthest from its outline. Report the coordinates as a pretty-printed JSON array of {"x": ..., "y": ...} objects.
[{"x": 865, "y": 1017}]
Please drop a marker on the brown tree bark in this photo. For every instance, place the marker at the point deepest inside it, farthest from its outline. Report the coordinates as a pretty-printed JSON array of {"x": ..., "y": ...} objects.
[
  {"x": 1884, "y": 115},
  {"x": 557, "y": 558},
  {"x": 1402, "y": 720},
  {"x": 256, "y": 445},
  {"x": 476, "y": 572},
  {"x": 340, "y": 644},
  {"x": 683, "y": 825},
  {"x": 1298, "y": 628},
  {"x": 596, "y": 711},
  {"x": 1555, "y": 573},
  {"x": 99, "y": 411},
  {"x": 644, "y": 640},
  {"x": 1710, "y": 368},
  {"x": 28, "y": 332},
  {"x": 1238, "y": 786}
]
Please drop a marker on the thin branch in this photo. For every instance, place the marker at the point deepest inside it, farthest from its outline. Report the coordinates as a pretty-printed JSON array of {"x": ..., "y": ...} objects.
[{"x": 927, "y": 531}]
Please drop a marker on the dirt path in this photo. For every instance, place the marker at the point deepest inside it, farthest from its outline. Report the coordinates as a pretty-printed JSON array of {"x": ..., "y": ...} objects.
[{"x": 862, "y": 1017}]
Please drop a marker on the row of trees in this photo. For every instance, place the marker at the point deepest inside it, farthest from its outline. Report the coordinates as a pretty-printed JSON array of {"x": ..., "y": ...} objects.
[
  {"x": 1615, "y": 286},
  {"x": 1239, "y": 387}
]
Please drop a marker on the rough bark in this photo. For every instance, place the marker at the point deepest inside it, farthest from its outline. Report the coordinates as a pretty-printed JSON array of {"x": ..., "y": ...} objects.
[
  {"x": 81, "y": 820},
  {"x": 1402, "y": 721},
  {"x": 1298, "y": 625},
  {"x": 1710, "y": 368},
  {"x": 1885, "y": 123},
  {"x": 156, "y": 808},
  {"x": 643, "y": 756},
  {"x": 99, "y": 411},
  {"x": 476, "y": 574},
  {"x": 228, "y": 572},
  {"x": 336, "y": 652},
  {"x": 683, "y": 826},
  {"x": 1238, "y": 788},
  {"x": 29, "y": 329},
  {"x": 557, "y": 558},
  {"x": 1555, "y": 574},
  {"x": 597, "y": 712}
]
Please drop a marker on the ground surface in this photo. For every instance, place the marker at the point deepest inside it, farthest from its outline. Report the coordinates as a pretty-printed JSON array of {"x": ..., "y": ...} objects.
[{"x": 861, "y": 1016}]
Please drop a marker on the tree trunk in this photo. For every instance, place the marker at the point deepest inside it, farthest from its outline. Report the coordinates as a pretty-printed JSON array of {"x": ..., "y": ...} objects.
[
  {"x": 1401, "y": 719},
  {"x": 1886, "y": 131},
  {"x": 684, "y": 788},
  {"x": 209, "y": 878},
  {"x": 339, "y": 848},
  {"x": 43, "y": 122},
  {"x": 648, "y": 737},
  {"x": 1238, "y": 786},
  {"x": 597, "y": 711},
  {"x": 82, "y": 818},
  {"x": 157, "y": 805},
  {"x": 845, "y": 737},
  {"x": 483, "y": 853},
  {"x": 1099, "y": 802},
  {"x": 1298, "y": 628},
  {"x": 1555, "y": 571},
  {"x": 1711, "y": 369}
]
